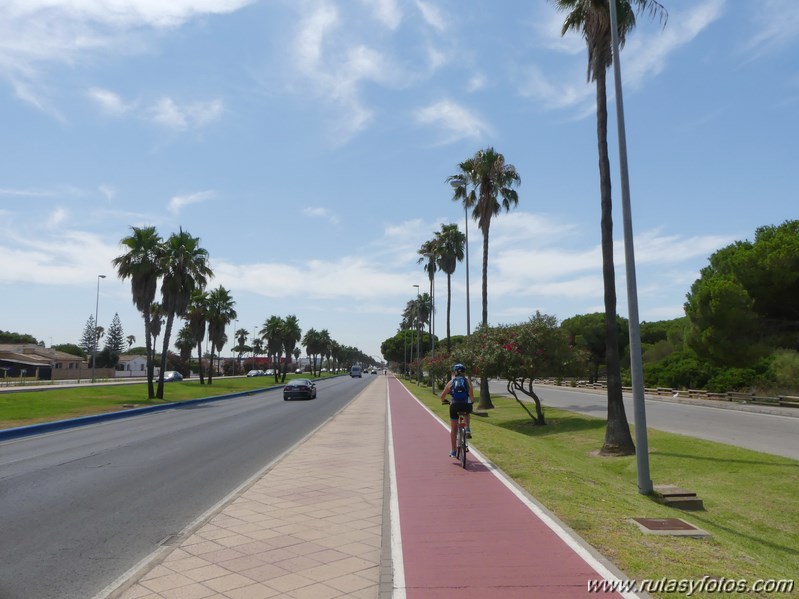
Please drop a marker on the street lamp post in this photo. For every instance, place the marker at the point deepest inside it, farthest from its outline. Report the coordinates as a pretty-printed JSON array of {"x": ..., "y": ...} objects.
[
  {"x": 636, "y": 368},
  {"x": 418, "y": 340},
  {"x": 96, "y": 313},
  {"x": 404, "y": 351}
]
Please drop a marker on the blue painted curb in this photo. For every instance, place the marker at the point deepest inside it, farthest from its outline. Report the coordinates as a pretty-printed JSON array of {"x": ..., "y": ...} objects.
[{"x": 47, "y": 427}]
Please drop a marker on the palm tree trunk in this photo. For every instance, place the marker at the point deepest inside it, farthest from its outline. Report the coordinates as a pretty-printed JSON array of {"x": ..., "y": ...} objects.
[
  {"x": 167, "y": 334},
  {"x": 449, "y": 304},
  {"x": 618, "y": 440},
  {"x": 200, "y": 361},
  {"x": 150, "y": 354},
  {"x": 485, "y": 397}
]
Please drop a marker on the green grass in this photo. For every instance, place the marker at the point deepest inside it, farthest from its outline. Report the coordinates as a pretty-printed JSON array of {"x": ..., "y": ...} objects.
[
  {"x": 750, "y": 498},
  {"x": 20, "y": 408}
]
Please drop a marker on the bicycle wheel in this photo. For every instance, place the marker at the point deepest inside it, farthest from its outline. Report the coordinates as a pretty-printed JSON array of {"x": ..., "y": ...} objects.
[{"x": 462, "y": 446}]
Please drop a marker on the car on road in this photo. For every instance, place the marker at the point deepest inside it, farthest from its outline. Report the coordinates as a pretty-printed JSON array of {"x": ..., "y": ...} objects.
[
  {"x": 255, "y": 373},
  {"x": 269, "y": 372},
  {"x": 299, "y": 389},
  {"x": 171, "y": 376},
  {"x": 356, "y": 371}
]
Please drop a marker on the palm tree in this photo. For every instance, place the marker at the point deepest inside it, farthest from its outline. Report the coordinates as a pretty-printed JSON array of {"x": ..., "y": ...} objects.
[
  {"x": 428, "y": 253},
  {"x": 184, "y": 265},
  {"x": 141, "y": 264},
  {"x": 450, "y": 245},
  {"x": 131, "y": 340},
  {"x": 241, "y": 347},
  {"x": 220, "y": 314},
  {"x": 257, "y": 350},
  {"x": 271, "y": 332},
  {"x": 156, "y": 322},
  {"x": 196, "y": 315},
  {"x": 291, "y": 333},
  {"x": 591, "y": 18},
  {"x": 489, "y": 177},
  {"x": 185, "y": 342},
  {"x": 312, "y": 343},
  {"x": 325, "y": 347}
]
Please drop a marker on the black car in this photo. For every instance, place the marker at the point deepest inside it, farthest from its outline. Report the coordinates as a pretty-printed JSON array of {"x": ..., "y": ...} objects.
[{"x": 299, "y": 389}]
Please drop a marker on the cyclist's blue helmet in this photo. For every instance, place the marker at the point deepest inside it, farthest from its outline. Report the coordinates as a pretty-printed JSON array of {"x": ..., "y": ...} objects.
[{"x": 458, "y": 368}]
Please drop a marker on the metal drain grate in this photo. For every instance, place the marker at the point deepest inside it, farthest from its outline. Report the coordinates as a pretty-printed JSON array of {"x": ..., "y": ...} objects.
[{"x": 668, "y": 526}]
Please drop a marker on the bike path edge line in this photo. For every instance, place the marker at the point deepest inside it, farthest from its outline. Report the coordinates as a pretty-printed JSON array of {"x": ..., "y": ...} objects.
[
  {"x": 600, "y": 564},
  {"x": 397, "y": 563}
]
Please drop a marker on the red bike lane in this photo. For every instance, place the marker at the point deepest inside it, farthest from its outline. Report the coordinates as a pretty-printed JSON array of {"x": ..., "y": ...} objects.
[{"x": 463, "y": 532}]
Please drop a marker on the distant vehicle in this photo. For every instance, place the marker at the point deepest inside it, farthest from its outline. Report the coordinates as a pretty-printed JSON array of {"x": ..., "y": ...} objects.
[
  {"x": 356, "y": 371},
  {"x": 298, "y": 371},
  {"x": 255, "y": 373},
  {"x": 269, "y": 372},
  {"x": 172, "y": 376},
  {"x": 299, "y": 389},
  {"x": 374, "y": 370}
]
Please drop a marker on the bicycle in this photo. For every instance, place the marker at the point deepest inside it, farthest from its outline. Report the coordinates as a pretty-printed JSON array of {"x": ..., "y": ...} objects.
[{"x": 461, "y": 442}]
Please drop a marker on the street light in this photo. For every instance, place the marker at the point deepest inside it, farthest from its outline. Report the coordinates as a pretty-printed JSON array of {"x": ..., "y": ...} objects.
[
  {"x": 418, "y": 339},
  {"x": 457, "y": 183},
  {"x": 236, "y": 344},
  {"x": 636, "y": 368},
  {"x": 96, "y": 309}
]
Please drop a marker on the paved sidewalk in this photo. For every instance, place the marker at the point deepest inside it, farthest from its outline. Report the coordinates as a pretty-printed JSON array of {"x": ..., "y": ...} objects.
[{"x": 310, "y": 527}]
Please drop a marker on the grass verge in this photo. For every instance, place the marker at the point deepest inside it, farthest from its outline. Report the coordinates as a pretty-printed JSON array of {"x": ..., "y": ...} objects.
[
  {"x": 21, "y": 408},
  {"x": 750, "y": 498}
]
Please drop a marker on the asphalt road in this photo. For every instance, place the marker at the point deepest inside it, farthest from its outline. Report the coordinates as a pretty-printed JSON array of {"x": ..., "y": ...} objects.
[
  {"x": 80, "y": 507},
  {"x": 770, "y": 433}
]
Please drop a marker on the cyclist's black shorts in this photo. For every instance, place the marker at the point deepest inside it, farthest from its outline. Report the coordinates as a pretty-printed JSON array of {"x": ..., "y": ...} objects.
[{"x": 459, "y": 406}]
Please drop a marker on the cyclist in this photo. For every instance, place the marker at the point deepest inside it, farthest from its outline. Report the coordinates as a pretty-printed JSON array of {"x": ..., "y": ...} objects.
[{"x": 462, "y": 399}]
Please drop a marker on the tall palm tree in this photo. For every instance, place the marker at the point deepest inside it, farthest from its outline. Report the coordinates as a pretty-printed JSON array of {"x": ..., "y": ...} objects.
[
  {"x": 196, "y": 315},
  {"x": 450, "y": 245},
  {"x": 220, "y": 314},
  {"x": 428, "y": 253},
  {"x": 241, "y": 347},
  {"x": 312, "y": 344},
  {"x": 271, "y": 332},
  {"x": 325, "y": 346},
  {"x": 131, "y": 340},
  {"x": 141, "y": 264},
  {"x": 291, "y": 333},
  {"x": 185, "y": 342},
  {"x": 490, "y": 178},
  {"x": 184, "y": 265},
  {"x": 591, "y": 19}
]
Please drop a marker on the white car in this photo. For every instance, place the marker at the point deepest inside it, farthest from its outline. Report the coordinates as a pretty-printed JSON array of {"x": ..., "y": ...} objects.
[{"x": 255, "y": 373}]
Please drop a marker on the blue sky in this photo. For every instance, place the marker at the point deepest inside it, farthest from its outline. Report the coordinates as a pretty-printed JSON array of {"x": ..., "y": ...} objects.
[{"x": 307, "y": 143}]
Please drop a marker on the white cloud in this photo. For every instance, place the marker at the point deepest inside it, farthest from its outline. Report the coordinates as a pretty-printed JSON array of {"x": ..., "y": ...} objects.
[
  {"x": 37, "y": 33},
  {"x": 177, "y": 203},
  {"x": 123, "y": 13},
  {"x": 647, "y": 54},
  {"x": 454, "y": 120},
  {"x": 108, "y": 191},
  {"x": 109, "y": 101},
  {"x": 323, "y": 213},
  {"x": 777, "y": 23},
  {"x": 476, "y": 83},
  {"x": 56, "y": 218},
  {"x": 168, "y": 113},
  {"x": 431, "y": 14},
  {"x": 386, "y": 11}
]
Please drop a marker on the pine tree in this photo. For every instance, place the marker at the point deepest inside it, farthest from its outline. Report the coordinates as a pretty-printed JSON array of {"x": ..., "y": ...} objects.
[
  {"x": 86, "y": 342},
  {"x": 115, "y": 337}
]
